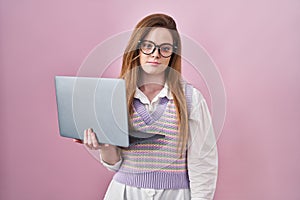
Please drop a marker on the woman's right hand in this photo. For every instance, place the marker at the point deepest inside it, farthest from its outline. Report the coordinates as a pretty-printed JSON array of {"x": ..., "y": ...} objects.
[
  {"x": 90, "y": 140},
  {"x": 109, "y": 153}
]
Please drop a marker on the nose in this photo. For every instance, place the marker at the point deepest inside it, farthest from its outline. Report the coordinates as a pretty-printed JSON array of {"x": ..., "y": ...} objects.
[{"x": 156, "y": 53}]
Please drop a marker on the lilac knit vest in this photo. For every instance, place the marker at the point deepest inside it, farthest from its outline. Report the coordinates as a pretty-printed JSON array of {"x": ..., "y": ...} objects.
[{"x": 155, "y": 164}]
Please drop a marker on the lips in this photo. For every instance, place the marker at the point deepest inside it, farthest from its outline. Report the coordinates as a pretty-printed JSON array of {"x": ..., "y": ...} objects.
[{"x": 153, "y": 63}]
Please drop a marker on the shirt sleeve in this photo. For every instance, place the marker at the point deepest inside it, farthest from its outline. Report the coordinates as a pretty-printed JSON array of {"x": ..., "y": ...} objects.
[
  {"x": 202, "y": 156},
  {"x": 114, "y": 167}
]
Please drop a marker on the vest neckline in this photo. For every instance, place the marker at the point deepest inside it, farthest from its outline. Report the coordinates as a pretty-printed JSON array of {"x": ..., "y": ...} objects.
[{"x": 155, "y": 115}]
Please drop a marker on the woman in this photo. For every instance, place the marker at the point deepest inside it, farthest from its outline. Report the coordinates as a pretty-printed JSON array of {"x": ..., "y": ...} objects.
[{"x": 183, "y": 164}]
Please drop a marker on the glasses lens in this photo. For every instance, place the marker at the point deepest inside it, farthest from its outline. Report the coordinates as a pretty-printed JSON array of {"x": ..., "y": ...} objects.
[
  {"x": 166, "y": 50},
  {"x": 147, "y": 47}
]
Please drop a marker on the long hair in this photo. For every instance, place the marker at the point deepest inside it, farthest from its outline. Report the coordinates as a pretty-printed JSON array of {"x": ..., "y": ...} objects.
[{"x": 130, "y": 70}]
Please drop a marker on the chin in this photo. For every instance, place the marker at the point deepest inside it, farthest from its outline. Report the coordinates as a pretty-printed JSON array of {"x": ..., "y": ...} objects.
[{"x": 153, "y": 70}]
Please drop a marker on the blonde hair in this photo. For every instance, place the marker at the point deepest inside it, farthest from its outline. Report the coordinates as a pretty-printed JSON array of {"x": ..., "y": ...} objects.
[{"x": 130, "y": 70}]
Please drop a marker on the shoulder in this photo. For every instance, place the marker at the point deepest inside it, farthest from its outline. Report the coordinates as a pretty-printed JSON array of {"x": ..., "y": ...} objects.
[{"x": 196, "y": 95}]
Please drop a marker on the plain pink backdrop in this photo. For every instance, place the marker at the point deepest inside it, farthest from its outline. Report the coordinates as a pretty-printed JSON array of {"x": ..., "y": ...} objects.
[{"x": 255, "y": 44}]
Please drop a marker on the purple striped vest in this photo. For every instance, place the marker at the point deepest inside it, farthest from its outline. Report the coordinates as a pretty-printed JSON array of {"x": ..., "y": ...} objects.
[{"x": 157, "y": 163}]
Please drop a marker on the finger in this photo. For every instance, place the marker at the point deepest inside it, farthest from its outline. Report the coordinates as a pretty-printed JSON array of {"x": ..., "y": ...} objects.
[
  {"x": 85, "y": 137},
  {"x": 89, "y": 139},
  {"x": 106, "y": 146},
  {"x": 86, "y": 140},
  {"x": 95, "y": 141},
  {"x": 78, "y": 141}
]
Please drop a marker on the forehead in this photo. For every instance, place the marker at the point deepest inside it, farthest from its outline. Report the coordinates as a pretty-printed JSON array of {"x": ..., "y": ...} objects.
[{"x": 159, "y": 36}]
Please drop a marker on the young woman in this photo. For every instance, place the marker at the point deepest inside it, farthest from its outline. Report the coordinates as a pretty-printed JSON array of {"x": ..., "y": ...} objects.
[{"x": 183, "y": 164}]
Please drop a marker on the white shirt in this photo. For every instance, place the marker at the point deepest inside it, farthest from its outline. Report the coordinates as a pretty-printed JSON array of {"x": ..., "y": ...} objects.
[{"x": 202, "y": 156}]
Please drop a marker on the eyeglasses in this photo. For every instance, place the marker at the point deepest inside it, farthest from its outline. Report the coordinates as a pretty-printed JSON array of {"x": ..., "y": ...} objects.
[{"x": 165, "y": 49}]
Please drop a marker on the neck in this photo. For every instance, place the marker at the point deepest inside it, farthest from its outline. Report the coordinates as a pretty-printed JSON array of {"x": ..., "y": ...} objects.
[
  {"x": 151, "y": 81},
  {"x": 151, "y": 84}
]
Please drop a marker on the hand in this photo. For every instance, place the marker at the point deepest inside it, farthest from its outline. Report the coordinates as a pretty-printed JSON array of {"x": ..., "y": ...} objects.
[
  {"x": 109, "y": 153},
  {"x": 90, "y": 140}
]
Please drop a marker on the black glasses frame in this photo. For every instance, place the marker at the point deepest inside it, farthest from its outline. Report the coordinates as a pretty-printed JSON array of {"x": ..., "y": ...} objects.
[{"x": 157, "y": 47}]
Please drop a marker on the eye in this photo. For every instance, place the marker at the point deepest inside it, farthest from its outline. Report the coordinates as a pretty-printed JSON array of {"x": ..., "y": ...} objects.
[
  {"x": 147, "y": 45},
  {"x": 166, "y": 48}
]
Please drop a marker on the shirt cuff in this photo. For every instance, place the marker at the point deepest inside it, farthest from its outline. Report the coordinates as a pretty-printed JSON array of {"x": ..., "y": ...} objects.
[{"x": 115, "y": 167}]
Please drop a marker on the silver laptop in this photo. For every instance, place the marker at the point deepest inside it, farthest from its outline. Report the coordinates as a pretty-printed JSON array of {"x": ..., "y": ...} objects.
[{"x": 97, "y": 103}]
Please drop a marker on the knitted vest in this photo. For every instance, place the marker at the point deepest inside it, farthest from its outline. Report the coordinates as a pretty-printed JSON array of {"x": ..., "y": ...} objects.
[{"x": 155, "y": 164}]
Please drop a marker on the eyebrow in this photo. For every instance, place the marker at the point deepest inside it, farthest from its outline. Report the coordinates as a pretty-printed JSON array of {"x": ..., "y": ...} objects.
[{"x": 156, "y": 43}]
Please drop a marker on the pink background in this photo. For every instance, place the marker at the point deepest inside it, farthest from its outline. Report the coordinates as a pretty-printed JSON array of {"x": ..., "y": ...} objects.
[{"x": 255, "y": 45}]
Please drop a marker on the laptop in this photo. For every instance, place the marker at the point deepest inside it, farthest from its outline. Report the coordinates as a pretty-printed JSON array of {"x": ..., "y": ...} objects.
[{"x": 97, "y": 103}]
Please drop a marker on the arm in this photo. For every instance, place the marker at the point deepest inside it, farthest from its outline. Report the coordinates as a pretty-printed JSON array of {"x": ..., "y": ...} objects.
[
  {"x": 112, "y": 164},
  {"x": 202, "y": 151}
]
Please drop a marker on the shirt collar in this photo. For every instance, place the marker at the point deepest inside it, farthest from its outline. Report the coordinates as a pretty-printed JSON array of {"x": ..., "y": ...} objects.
[{"x": 165, "y": 92}]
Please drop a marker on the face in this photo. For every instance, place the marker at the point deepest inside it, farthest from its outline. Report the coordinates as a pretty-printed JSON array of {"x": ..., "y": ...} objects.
[{"x": 155, "y": 63}]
